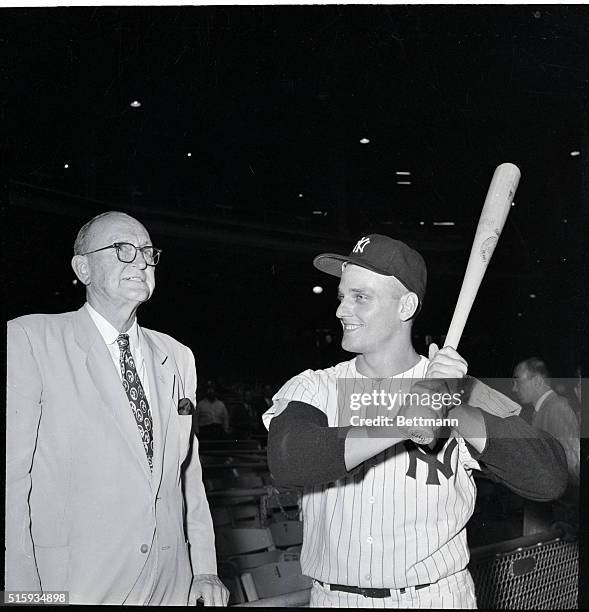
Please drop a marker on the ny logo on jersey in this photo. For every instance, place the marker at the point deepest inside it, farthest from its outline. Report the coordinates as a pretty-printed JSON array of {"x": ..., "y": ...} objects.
[
  {"x": 434, "y": 465},
  {"x": 359, "y": 248}
]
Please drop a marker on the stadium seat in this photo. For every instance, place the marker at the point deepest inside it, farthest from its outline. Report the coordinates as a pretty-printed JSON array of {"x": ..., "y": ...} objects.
[
  {"x": 234, "y": 482},
  {"x": 236, "y": 541},
  {"x": 221, "y": 516},
  {"x": 273, "y": 579},
  {"x": 245, "y": 515},
  {"x": 287, "y": 533},
  {"x": 247, "y": 562},
  {"x": 229, "y": 575}
]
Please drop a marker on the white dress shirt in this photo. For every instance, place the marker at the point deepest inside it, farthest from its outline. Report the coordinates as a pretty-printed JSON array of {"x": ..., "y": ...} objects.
[
  {"x": 110, "y": 335},
  {"x": 541, "y": 399}
]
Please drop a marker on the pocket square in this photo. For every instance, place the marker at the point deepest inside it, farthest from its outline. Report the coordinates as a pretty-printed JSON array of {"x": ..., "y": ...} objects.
[{"x": 185, "y": 406}]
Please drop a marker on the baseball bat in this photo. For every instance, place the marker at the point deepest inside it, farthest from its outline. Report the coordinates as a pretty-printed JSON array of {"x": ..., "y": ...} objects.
[{"x": 497, "y": 204}]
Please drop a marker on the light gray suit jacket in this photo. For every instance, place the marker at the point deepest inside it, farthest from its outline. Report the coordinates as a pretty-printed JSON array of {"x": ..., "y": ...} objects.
[
  {"x": 557, "y": 418},
  {"x": 81, "y": 503}
]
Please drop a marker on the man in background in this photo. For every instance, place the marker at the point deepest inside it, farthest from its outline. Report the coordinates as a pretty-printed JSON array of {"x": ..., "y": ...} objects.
[
  {"x": 551, "y": 413},
  {"x": 213, "y": 418}
]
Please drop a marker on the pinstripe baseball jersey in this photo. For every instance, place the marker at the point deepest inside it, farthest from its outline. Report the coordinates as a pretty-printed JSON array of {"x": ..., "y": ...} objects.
[{"x": 397, "y": 521}]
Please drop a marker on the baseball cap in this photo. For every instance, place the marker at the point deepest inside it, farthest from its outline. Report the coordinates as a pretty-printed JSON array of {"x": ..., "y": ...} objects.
[{"x": 383, "y": 255}]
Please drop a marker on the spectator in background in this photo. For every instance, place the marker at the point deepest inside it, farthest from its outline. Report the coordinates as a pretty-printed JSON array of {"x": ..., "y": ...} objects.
[
  {"x": 260, "y": 403},
  {"x": 244, "y": 419},
  {"x": 213, "y": 418},
  {"x": 553, "y": 414},
  {"x": 267, "y": 395}
]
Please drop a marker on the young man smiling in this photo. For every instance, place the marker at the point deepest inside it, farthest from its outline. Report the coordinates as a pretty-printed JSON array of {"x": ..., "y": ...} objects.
[{"x": 385, "y": 518}]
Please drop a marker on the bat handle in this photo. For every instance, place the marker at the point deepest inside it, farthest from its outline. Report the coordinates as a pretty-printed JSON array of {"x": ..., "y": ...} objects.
[{"x": 453, "y": 338}]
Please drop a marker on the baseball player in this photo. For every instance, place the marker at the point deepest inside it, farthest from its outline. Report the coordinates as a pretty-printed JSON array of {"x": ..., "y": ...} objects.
[{"x": 385, "y": 518}]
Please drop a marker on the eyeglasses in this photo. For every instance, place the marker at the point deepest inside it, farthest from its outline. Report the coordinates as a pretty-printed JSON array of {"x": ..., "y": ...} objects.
[{"x": 126, "y": 252}]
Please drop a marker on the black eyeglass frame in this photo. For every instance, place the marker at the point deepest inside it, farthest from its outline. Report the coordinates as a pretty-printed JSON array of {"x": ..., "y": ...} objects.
[{"x": 117, "y": 246}]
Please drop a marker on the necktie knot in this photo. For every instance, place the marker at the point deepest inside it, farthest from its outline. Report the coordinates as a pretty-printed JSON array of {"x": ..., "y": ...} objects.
[{"x": 123, "y": 341}]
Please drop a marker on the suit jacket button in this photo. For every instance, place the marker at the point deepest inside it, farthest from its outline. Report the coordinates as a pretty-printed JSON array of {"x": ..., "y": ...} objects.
[{"x": 144, "y": 548}]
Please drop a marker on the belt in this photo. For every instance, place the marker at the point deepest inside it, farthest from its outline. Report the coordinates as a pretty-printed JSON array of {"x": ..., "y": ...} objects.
[{"x": 376, "y": 593}]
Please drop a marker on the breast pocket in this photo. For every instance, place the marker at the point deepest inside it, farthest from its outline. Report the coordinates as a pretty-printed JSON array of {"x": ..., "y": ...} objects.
[{"x": 184, "y": 434}]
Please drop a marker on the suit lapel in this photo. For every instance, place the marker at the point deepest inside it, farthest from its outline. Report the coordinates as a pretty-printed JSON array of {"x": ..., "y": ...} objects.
[
  {"x": 106, "y": 380},
  {"x": 161, "y": 384}
]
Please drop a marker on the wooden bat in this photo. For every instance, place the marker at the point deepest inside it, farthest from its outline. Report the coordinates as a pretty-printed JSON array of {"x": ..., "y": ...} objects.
[{"x": 491, "y": 222}]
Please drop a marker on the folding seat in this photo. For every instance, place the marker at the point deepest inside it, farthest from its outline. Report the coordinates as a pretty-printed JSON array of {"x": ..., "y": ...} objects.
[
  {"x": 245, "y": 515},
  {"x": 287, "y": 533},
  {"x": 231, "y": 541},
  {"x": 221, "y": 516},
  {"x": 275, "y": 579}
]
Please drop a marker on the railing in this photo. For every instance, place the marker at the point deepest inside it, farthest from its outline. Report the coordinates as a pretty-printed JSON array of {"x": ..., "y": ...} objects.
[{"x": 538, "y": 572}]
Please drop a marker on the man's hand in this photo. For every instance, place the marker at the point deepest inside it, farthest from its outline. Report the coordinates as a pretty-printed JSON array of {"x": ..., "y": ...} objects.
[
  {"x": 445, "y": 363},
  {"x": 442, "y": 378},
  {"x": 208, "y": 587},
  {"x": 448, "y": 365},
  {"x": 445, "y": 370}
]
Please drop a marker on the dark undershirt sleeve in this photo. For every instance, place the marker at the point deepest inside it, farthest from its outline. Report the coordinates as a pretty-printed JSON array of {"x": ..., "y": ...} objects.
[
  {"x": 303, "y": 450},
  {"x": 527, "y": 460}
]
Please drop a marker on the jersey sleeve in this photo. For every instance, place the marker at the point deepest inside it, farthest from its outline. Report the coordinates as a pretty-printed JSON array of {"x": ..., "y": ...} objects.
[
  {"x": 525, "y": 459},
  {"x": 301, "y": 388},
  {"x": 303, "y": 450},
  {"x": 490, "y": 400}
]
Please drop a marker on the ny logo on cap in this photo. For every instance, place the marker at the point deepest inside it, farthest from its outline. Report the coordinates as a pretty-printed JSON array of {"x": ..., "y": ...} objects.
[{"x": 359, "y": 248}]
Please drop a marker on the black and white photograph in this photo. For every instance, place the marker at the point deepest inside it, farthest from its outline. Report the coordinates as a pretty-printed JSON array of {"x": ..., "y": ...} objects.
[{"x": 296, "y": 304}]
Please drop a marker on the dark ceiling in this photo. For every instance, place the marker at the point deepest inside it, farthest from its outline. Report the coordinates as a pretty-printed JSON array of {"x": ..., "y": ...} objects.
[{"x": 271, "y": 103}]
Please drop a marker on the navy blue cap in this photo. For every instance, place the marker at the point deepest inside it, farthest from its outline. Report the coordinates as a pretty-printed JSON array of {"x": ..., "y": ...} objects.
[{"x": 383, "y": 255}]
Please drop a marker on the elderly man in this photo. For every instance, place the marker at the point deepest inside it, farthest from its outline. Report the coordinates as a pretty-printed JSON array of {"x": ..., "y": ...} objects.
[
  {"x": 384, "y": 514},
  {"x": 98, "y": 427},
  {"x": 551, "y": 413}
]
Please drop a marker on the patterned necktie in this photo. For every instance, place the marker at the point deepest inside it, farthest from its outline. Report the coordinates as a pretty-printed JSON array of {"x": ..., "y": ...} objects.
[{"x": 136, "y": 395}]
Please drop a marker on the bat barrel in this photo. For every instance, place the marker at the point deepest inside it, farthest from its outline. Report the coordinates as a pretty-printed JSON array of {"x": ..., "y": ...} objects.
[{"x": 497, "y": 204}]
